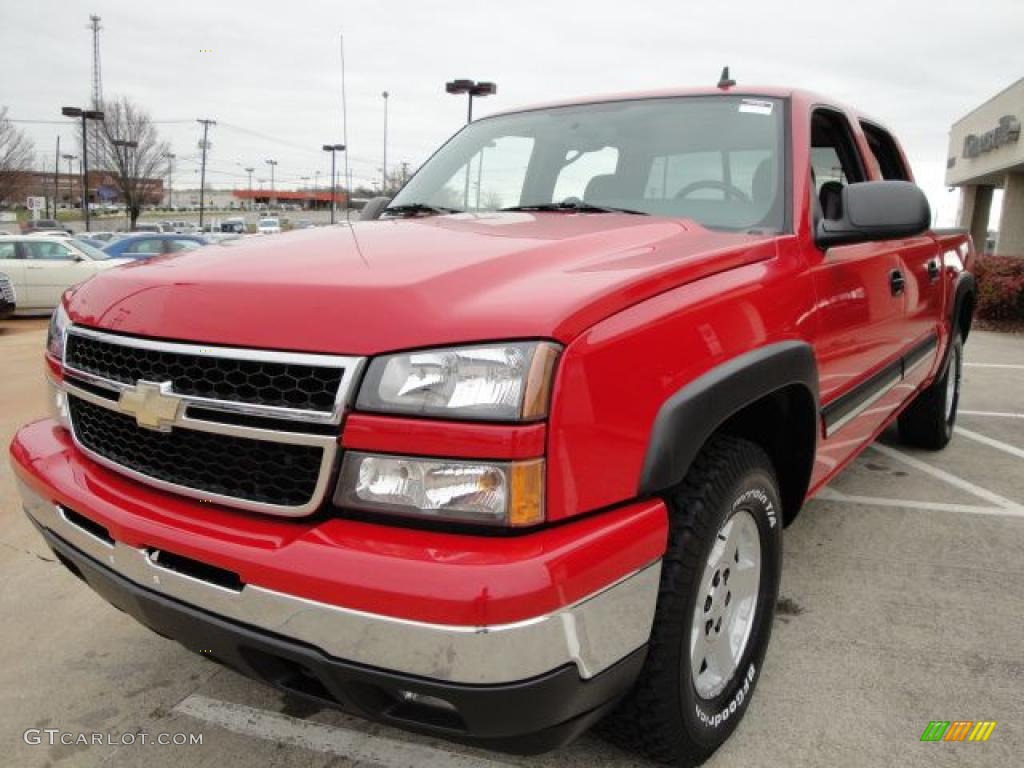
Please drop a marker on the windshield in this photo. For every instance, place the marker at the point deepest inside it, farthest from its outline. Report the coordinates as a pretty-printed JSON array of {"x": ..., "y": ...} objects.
[
  {"x": 93, "y": 253},
  {"x": 714, "y": 159},
  {"x": 268, "y": 222}
]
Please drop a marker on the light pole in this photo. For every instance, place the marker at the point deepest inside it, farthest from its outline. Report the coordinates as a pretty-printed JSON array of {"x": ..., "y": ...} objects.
[
  {"x": 84, "y": 114},
  {"x": 252, "y": 200},
  {"x": 384, "y": 165},
  {"x": 472, "y": 89},
  {"x": 206, "y": 123},
  {"x": 131, "y": 204},
  {"x": 170, "y": 156},
  {"x": 272, "y": 164},
  {"x": 56, "y": 180},
  {"x": 305, "y": 187},
  {"x": 71, "y": 187},
  {"x": 334, "y": 149}
]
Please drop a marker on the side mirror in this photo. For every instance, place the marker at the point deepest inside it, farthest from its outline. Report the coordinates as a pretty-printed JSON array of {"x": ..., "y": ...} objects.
[
  {"x": 374, "y": 208},
  {"x": 876, "y": 210}
]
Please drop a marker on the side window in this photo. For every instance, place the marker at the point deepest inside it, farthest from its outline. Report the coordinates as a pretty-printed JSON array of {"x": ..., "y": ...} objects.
[
  {"x": 8, "y": 251},
  {"x": 886, "y": 152},
  {"x": 493, "y": 178},
  {"x": 44, "y": 251},
  {"x": 835, "y": 161},
  {"x": 183, "y": 245},
  {"x": 147, "y": 246},
  {"x": 574, "y": 177}
]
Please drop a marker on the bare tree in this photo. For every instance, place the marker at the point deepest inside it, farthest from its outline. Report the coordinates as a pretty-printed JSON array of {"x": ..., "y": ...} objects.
[
  {"x": 133, "y": 153},
  {"x": 17, "y": 154}
]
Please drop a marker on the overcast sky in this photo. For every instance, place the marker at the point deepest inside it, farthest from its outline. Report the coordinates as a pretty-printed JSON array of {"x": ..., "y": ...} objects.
[{"x": 270, "y": 73}]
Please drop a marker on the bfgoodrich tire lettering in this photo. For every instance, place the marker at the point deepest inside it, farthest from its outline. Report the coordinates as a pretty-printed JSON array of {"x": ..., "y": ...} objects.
[{"x": 665, "y": 716}]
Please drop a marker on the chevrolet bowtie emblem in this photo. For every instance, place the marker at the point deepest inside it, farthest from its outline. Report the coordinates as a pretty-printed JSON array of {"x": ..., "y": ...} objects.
[{"x": 152, "y": 405}]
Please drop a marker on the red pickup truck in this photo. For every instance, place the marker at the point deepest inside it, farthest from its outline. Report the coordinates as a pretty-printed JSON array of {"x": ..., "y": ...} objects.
[{"x": 516, "y": 456}]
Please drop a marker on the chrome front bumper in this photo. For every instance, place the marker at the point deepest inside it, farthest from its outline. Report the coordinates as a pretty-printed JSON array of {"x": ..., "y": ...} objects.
[{"x": 593, "y": 634}]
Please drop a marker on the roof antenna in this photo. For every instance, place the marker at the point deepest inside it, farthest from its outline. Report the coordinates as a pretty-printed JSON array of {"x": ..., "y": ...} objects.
[{"x": 725, "y": 81}]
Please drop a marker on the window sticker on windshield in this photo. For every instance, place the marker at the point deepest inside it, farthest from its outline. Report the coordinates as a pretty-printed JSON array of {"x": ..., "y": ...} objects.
[{"x": 756, "y": 107}]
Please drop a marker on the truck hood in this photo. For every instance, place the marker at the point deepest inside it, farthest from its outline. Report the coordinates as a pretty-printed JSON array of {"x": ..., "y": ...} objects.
[{"x": 398, "y": 284}]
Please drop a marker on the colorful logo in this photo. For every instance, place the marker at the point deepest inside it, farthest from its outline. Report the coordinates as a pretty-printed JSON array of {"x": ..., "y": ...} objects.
[{"x": 958, "y": 730}]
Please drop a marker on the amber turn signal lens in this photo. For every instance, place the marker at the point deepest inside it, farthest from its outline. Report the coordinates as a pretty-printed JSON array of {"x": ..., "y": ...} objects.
[
  {"x": 538, "y": 381},
  {"x": 526, "y": 499}
]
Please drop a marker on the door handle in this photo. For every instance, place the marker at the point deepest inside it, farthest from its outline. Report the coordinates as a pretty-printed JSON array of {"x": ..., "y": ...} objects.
[
  {"x": 896, "y": 282},
  {"x": 933, "y": 270}
]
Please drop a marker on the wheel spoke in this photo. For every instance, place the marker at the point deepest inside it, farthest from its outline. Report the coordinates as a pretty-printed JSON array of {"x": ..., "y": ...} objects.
[
  {"x": 743, "y": 582},
  {"x": 720, "y": 656}
]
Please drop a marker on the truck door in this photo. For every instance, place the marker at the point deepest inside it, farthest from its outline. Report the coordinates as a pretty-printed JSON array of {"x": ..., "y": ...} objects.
[
  {"x": 859, "y": 301},
  {"x": 920, "y": 266},
  {"x": 13, "y": 265},
  {"x": 50, "y": 269}
]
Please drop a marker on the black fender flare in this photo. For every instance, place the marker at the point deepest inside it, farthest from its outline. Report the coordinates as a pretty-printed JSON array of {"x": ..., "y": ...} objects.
[
  {"x": 966, "y": 289},
  {"x": 689, "y": 417},
  {"x": 966, "y": 286}
]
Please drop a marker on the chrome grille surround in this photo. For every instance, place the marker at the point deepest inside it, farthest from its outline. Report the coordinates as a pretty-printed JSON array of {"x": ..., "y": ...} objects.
[{"x": 92, "y": 388}]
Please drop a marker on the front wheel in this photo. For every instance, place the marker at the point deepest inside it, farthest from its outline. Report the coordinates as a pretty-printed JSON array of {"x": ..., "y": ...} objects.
[
  {"x": 719, "y": 584},
  {"x": 929, "y": 420}
]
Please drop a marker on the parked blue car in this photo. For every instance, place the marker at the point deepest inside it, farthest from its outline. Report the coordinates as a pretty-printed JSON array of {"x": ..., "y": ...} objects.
[{"x": 148, "y": 244}]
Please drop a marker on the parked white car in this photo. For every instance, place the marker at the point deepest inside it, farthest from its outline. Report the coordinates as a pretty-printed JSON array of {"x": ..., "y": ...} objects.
[
  {"x": 42, "y": 268},
  {"x": 269, "y": 227}
]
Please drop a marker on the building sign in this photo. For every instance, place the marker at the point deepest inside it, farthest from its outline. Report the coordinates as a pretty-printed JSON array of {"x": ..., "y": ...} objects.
[{"x": 1006, "y": 132}]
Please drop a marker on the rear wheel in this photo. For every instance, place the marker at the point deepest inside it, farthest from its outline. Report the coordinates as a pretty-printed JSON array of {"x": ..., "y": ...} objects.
[
  {"x": 719, "y": 585},
  {"x": 929, "y": 420}
]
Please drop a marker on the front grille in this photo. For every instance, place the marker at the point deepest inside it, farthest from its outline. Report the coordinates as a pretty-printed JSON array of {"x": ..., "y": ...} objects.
[
  {"x": 251, "y": 470},
  {"x": 6, "y": 290},
  {"x": 256, "y": 382}
]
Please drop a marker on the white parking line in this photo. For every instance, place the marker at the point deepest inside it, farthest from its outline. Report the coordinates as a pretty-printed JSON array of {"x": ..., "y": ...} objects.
[
  {"x": 1013, "y": 450},
  {"x": 1011, "y": 507},
  {"x": 829, "y": 494},
  {"x": 994, "y": 414},
  {"x": 371, "y": 748},
  {"x": 994, "y": 365}
]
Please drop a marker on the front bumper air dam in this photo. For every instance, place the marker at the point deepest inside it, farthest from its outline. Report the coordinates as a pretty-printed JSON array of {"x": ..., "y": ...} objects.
[
  {"x": 523, "y": 687},
  {"x": 525, "y": 717}
]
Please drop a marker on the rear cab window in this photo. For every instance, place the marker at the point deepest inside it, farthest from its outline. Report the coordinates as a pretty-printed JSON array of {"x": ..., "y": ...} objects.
[{"x": 886, "y": 152}]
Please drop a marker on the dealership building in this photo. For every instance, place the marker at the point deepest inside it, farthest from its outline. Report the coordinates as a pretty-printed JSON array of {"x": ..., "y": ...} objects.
[{"x": 986, "y": 153}]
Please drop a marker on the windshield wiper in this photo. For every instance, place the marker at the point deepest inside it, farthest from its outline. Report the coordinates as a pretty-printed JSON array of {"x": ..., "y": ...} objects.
[
  {"x": 577, "y": 206},
  {"x": 411, "y": 209}
]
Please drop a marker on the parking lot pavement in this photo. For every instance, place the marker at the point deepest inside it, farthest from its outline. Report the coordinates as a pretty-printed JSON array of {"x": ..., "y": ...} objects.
[{"x": 902, "y": 602}]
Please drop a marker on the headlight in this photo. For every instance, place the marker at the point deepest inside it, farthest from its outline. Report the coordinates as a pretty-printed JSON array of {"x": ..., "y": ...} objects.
[
  {"x": 489, "y": 382},
  {"x": 481, "y": 492},
  {"x": 55, "y": 335}
]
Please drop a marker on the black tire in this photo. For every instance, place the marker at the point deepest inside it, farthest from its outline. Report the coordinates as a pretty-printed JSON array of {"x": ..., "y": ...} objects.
[
  {"x": 929, "y": 420},
  {"x": 664, "y": 717}
]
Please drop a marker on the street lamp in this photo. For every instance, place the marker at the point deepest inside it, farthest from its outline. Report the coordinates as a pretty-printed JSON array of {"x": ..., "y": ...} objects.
[
  {"x": 130, "y": 204},
  {"x": 71, "y": 186},
  {"x": 84, "y": 114},
  {"x": 272, "y": 164},
  {"x": 384, "y": 166},
  {"x": 252, "y": 200},
  {"x": 472, "y": 89},
  {"x": 170, "y": 157},
  {"x": 333, "y": 149}
]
